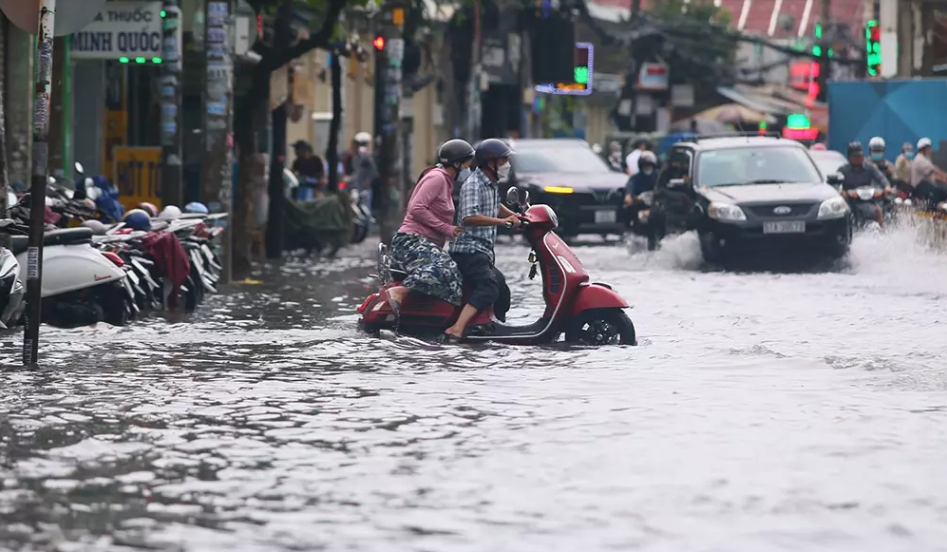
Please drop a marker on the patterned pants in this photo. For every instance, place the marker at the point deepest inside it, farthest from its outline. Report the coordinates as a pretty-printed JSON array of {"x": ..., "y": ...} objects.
[{"x": 430, "y": 269}]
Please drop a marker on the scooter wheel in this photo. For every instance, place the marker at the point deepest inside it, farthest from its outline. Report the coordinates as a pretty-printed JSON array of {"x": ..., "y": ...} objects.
[{"x": 597, "y": 327}]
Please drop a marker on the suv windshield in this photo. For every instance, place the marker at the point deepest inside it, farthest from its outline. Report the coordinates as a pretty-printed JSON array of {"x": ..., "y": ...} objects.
[
  {"x": 565, "y": 159},
  {"x": 766, "y": 165}
]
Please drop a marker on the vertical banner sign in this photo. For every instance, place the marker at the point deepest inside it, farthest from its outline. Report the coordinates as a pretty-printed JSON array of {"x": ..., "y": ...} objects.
[
  {"x": 170, "y": 94},
  {"x": 217, "y": 166}
]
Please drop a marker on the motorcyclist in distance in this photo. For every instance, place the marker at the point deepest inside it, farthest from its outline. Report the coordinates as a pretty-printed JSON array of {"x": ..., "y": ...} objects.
[
  {"x": 876, "y": 151},
  {"x": 643, "y": 180},
  {"x": 857, "y": 174}
]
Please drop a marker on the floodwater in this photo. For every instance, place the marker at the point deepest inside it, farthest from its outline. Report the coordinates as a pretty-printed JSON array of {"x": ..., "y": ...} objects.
[{"x": 762, "y": 412}]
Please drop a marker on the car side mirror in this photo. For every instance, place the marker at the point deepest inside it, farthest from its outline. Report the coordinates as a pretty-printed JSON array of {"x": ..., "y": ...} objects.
[
  {"x": 676, "y": 184},
  {"x": 512, "y": 196},
  {"x": 835, "y": 179}
]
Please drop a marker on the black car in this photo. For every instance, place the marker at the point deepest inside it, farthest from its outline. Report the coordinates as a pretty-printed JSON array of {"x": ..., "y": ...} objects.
[
  {"x": 750, "y": 195},
  {"x": 569, "y": 177}
]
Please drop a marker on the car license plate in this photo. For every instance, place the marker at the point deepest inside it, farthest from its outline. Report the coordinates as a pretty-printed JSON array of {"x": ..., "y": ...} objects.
[
  {"x": 605, "y": 216},
  {"x": 785, "y": 227}
]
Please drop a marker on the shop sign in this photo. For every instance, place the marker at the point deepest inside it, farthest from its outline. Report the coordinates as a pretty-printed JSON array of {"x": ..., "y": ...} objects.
[
  {"x": 123, "y": 29},
  {"x": 137, "y": 175}
]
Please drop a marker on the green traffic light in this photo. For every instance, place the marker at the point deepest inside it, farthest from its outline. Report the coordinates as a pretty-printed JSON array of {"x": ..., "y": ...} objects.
[{"x": 582, "y": 75}]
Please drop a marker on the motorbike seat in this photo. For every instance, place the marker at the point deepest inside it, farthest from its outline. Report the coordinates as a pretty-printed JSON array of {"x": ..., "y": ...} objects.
[{"x": 69, "y": 236}]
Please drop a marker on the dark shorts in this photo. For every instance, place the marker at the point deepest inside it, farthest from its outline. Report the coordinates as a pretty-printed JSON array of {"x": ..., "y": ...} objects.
[{"x": 487, "y": 284}]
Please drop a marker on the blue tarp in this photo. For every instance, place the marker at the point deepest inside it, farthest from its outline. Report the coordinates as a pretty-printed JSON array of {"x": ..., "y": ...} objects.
[{"x": 899, "y": 111}]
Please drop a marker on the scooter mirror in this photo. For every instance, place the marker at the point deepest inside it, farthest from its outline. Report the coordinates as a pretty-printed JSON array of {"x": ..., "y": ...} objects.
[
  {"x": 79, "y": 168},
  {"x": 50, "y": 180},
  {"x": 525, "y": 197},
  {"x": 512, "y": 196}
]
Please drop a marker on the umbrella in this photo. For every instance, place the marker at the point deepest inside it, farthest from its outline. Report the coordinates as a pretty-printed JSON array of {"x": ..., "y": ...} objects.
[{"x": 734, "y": 114}]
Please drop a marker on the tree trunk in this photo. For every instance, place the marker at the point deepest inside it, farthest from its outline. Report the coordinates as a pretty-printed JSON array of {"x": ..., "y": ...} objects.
[
  {"x": 274, "y": 223},
  {"x": 332, "y": 150}
]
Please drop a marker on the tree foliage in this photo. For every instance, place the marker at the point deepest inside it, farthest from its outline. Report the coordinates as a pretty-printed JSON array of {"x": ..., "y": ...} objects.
[{"x": 696, "y": 40}]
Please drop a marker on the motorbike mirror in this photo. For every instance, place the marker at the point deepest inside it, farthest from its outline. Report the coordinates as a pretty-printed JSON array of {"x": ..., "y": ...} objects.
[
  {"x": 50, "y": 180},
  {"x": 676, "y": 183},
  {"x": 512, "y": 196},
  {"x": 525, "y": 197},
  {"x": 79, "y": 168},
  {"x": 835, "y": 179}
]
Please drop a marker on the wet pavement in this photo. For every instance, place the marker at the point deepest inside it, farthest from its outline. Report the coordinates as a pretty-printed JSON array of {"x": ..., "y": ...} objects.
[{"x": 763, "y": 411}]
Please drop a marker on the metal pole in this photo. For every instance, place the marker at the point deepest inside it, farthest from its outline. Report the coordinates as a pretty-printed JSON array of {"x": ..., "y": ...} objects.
[
  {"x": 172, "y": 188},
  {"x": 391, "y": 176},
  {"x": 34, "y": 273}
]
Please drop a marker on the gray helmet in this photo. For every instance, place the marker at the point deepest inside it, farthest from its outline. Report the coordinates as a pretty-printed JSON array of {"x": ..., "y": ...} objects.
[
  {"x": 97, "y": 227},
  {"x": 454, "y": 151}
]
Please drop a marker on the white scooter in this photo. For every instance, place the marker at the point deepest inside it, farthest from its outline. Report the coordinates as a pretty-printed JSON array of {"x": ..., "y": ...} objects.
[{"x": 81, "y": 285}]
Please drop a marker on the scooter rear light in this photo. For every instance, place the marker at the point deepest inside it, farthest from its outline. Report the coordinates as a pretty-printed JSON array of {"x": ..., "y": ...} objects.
[
  {"x": 114, "y": 258},
  {"x": 367, "y": 302}
]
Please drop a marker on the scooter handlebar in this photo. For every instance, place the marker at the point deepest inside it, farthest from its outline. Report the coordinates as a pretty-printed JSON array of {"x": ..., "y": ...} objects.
[{"x": 523, "y": 224}]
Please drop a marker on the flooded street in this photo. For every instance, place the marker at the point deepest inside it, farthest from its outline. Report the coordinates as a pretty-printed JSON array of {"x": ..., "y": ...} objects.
[{"x": 761, "y": 412}]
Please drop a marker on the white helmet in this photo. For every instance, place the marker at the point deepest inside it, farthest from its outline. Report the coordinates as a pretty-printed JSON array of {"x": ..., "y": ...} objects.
[
  {"x": 876, "y": 143},
  {"x": 648, "y": 157},
  {"x": 923, "y": 143},
  {"x": 363, "y": 138},
  {"x": 170, "y": 213}
]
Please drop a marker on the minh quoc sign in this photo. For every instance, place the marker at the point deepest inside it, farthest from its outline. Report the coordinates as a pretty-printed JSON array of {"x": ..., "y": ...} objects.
[{"x": 124, "y": 29}]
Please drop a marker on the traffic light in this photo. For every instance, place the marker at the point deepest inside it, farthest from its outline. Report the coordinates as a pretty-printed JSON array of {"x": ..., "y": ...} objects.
[
  {"x": 582, "y": 75},
  {"x": 873, "y": 47},
  {"x": 379, "y": 43}
]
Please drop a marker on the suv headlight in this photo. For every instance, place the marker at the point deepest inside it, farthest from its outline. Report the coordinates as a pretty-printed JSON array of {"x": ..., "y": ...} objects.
[
  {"x": 725, "y": 211},
  {"x": 833, "y": 208}
]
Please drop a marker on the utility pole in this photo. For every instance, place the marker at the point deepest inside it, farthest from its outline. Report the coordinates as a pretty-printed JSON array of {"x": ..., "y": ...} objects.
[
  {"x": 392, "y": 181},
  {"x": 824, "y": 67},
  {"x": 282, "y": 37},
  {"x": 172, "y": 177},
  {"x": 217, "y": 163},
  {"x": 34, "y": 264}
]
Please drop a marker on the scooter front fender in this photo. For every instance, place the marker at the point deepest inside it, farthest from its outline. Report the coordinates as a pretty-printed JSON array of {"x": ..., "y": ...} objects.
[{"x": 597, "y": 296}]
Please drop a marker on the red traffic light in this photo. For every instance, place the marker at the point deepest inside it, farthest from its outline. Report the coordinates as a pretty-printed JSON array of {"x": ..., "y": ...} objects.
[{"x": 379, "y": 43}]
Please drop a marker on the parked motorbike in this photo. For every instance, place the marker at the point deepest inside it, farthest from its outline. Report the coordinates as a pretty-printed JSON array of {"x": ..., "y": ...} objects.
[
  {"x": 587, "y": 313},
  {"x": 11, "y": 290},
  {"x": 81, "y": 285}
]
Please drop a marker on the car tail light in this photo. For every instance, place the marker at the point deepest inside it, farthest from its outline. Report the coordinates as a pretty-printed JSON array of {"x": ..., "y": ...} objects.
[{"x": 114, "y": 258}]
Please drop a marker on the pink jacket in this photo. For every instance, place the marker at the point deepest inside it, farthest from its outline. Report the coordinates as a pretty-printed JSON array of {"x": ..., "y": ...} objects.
[{"x": 431, "y": 207}]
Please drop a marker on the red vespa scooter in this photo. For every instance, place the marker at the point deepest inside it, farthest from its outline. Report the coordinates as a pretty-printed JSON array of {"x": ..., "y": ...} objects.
[{"x": 588, "y": 313}]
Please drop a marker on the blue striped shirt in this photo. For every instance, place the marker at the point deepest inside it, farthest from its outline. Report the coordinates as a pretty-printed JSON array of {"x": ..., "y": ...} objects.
[{"x": 478, "y": 196}]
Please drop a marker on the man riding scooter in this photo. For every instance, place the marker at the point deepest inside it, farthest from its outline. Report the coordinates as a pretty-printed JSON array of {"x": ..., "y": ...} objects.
[
  {"x": 481, "y": 213},
  {"x": 858, "y": 174},
  {"x": 876, "y": 151},
  {"x": 642, "y": 181}
]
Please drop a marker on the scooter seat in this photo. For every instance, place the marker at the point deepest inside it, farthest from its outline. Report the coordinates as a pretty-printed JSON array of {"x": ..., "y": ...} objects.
[{"x": 69, "y": 236}]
